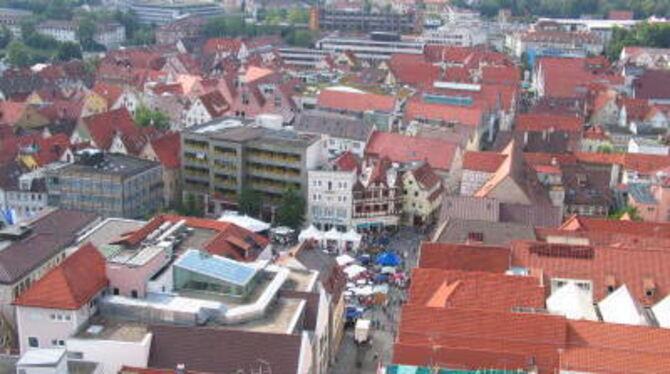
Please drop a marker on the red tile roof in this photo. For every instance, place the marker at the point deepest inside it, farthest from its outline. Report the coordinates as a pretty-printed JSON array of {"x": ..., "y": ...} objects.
[
  {"x": 230, "y": 241},
  {"x": 46, "y": 150},
  {"x": 104, "y": 126},
  {"x": 70, "y": 285},
  {"x": 425, "y": 176},
  {"x": 413, "y": 70},
  {"x": 215, "y": 103},
  {"x": 109, "y": 92},
  {"x": 487, "y": 162},
  {"x": 466, "y": 257},
  {"x": 544, "y": 122},
  {"x": 501, "y": 74},
  {"x": 642, "y": 163},
  {"x": 475, "y": 339},
  {"x": 11, "y": 112},
  {"x": 347, "y": 161},
  {"x": 168, "y": 149},
  {"x": 568, "y": 77},
  {"x": 401, "y": 148},
  {"x": 355, "y": 102},
  {"x": 590, "y": 224},
  {"x": 629, "y": 266},
  {"x": 219, "y": 45},
  {"x": 474, "y": 290},
  {"x": 420, "y": 110}
]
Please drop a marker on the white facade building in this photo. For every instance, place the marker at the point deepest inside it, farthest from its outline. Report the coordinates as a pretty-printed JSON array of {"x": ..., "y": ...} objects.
[
  {"x": 330, "y": 198},
  {"x": 63, "y": 31}
]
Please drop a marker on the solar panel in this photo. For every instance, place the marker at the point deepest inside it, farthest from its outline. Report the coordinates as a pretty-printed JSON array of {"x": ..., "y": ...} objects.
[{"x": 216, "y": 267}]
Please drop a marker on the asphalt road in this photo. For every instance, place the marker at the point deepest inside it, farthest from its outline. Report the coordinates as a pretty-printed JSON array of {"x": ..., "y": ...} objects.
[{"x": 385, "y": 320}]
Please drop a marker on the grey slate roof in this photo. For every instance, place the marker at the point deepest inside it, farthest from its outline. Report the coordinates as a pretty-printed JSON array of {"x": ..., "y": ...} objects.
[
  {"x": 51, "y": 233},
  {"x": 493, "y": 233},
  {"x": 223, "y": 351},
  {"x": 333, "y": 124}
]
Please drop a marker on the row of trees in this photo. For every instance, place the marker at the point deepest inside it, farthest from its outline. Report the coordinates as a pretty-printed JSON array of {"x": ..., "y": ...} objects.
[
  {"x": 642, "y": 34},
  {"x": 234, "y": 26},
  {"x": 570, "y": 8},
  {"x": 290, "y": 211},
  {"x": 35, "y": 48}
]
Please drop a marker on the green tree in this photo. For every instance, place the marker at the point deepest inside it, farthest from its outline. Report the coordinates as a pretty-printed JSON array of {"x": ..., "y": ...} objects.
[
  {"x": 86, "y": 33},
  {"x": 27, "y": 27},
  {"x": 300, "y": 38},
  {"x": 5, "y": 36},
  {"x": 249, "y": 202},
  {"x": 291, "y": 210},
  {"x": 604, "y": 149},
  {"x": 143, "y": 36},
  {"x": 68, "y": 51},
  {"x": 298, "y": 15},
  {"x": 630, "y": 210},
  {"x": 191, "y": 206},
  {"x": 18, "y": 54},
  {"x": 146, "y": 117}
]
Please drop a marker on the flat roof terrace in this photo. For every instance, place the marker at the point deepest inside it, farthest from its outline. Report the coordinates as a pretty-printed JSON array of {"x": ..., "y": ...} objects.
[{"x": 105, "y": 328}]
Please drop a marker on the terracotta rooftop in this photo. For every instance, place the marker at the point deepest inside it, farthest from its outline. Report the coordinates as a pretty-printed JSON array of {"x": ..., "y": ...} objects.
[
  {"x": 543, "y": 122},
  {"x": 402, "y": 148},
  {"x": 230, "y": 240},
  {"x": 355, "y": 102},
  {"x": 475, "y": 290},
  {"x": 465, "y": 257},
  {"x": 601, "y": 265},
  {"x": 487, "y": 162},
  {"x": 70, "y": 285}
]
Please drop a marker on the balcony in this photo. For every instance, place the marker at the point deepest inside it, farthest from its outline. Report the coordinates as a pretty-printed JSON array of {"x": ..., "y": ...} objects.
[
  {"x": 195, "y": 144},
  {"x": 273, "y": 158},
  {"x": 274, "y": 172},
  {"x": 195, "y": 185},
  {"x": 225, "y": 152},
  {"x": 195, "y": 159}
]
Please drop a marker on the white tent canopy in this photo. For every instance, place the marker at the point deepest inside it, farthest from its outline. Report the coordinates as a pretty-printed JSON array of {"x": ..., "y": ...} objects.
[
  {"x": 621, "y": 307},
  {"x": 354, "y": 270},
  {"x": 332, "y": 234},
  {"x": 310, "y": 233},
  {"x": 249, "y": 223},
  {"x": 363, "y": 291},
  {"x": 352, "y": 236},
  {"x": 572, "y": 302},
  {"x": 344, "y": 259},
  {"x": 662, "y": 312}
]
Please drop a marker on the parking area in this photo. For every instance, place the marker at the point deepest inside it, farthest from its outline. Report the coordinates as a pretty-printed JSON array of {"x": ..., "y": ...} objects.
[{"x": 351, "y": 357}]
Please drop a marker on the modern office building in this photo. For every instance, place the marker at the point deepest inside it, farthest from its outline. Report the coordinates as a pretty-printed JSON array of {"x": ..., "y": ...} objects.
[
  {"x": 159, "y": 11},
  {"x": 111, "y": 184},
  {"x": 370, "y": 48},
  {"x": 362, "y": 21},
  {"x": 221, "y": 156}
]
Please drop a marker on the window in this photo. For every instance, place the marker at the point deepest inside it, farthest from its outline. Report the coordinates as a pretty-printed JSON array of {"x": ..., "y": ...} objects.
[
  {"x": 33, "y": 342},
  {"x": 133, "y": 294},
  {"x": 115, "y": 291},
  {"x": 416, "y": 193}
]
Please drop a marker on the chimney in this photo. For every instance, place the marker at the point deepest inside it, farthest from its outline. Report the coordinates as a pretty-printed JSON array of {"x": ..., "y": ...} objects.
[{"x": 181, "y": 368}]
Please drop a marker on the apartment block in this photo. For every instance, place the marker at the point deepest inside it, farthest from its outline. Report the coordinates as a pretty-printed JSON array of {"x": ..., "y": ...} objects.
[{"x": 221, "y": 156}]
